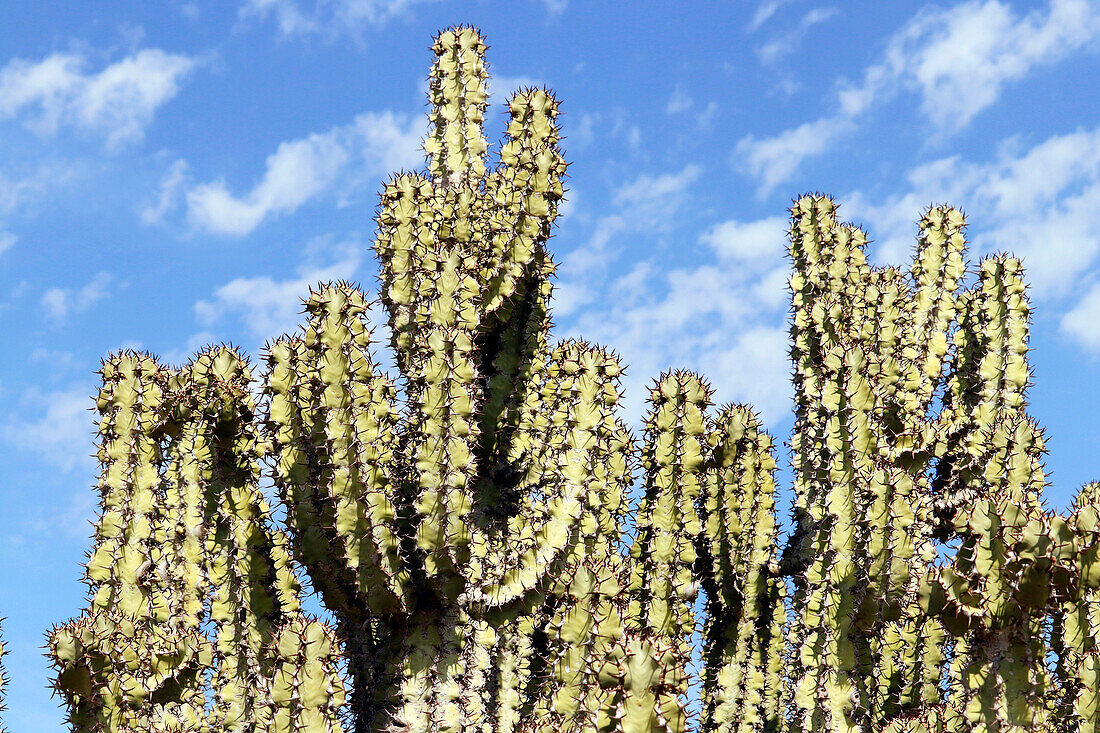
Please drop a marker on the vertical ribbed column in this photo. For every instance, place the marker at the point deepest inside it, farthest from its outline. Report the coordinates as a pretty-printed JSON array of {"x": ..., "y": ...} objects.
[
  {"x": 458, "y": 92},
  {"x": 134, "y": 661},
  {"x": 656, "y": 651},
  {"x": 743, "y": 637},
  {"x": 989, "y": 484}
]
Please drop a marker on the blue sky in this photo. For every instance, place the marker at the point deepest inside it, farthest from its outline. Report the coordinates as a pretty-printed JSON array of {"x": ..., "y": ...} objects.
[{"x": 176, "y": 174}]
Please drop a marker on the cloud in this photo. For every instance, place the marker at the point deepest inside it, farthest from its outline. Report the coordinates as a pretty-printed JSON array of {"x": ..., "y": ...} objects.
[
  {"x": 755, "y": 369},
  {"x": 957, "y": 59},
  {"x": 118, "y": 102},
  {"x": 1083, "y": 321},
  {"x": 706, "y": 116},
  {"x": 578, "y": 266},
  {"x": 774, "y": 160},
  {"x": 184, "y": 354},
  {"x": 725, "y": 320},
  {"x": 765, "y": 11},
  {"x": 296, "y": 172},
  {"x": 55, "y": 360},
  {"x": 58, "y": 427},
  {"x": 18, "y": 191},
  {"x": 302, "y": 169},
  {"x": 168, "y": 193},
  {"x": 646, "y": 204},
  {"x": 1038, "y": 203},
  {"x": 786, "y": 43},
  {"x": 329, "y": 16},
  {"x": 605, "y": 127},
  {"x": 764, "y": 239},
  {"x": 290, "y": 19},
  {"x": 501, "y": 86},
  {"x": 71, "y": 518},
  {"x": 269, "y": 307},
  {"x": 374, "y": 12},
  {"x": 654, "y": 198},
  {"x": 679, "y": 101},
  {"x": 60, "y": 303}
]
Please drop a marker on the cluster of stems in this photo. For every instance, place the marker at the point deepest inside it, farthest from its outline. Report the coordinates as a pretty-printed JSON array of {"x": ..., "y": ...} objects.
[{"x": 467, "y": 522}]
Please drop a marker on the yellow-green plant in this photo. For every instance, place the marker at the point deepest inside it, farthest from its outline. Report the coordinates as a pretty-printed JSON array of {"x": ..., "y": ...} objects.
[
  {"x": 194, "y": 622},
  {"x": 446, "y": 527},
  {"x": 466, "y": 520},
  {"x": 867, "y": 345},
  {"x": 3, "y": 681}
]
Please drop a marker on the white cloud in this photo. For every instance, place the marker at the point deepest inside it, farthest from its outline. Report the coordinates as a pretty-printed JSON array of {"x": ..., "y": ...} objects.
[
  {"x": 773, "y": 288},
  {"x": 602, "y": 126},
  {"x": 330, "y": 16},
  {"x": 960, "y": 58},
  {"x": 18, "y": 191},
  {"x": 723, "y": 319},
  {"x": 817, "y": 15},
  {"x": 579, "y": 266},
  {"x": 749, "y": 241},
  {"x": 58, "y": 426},
  {"x": 168, "y": 193},
  {"x": 71, "y": 519},
  {"x": 1038, "y": 203},
  {"x": 706, "y": 115},
  {"x": 302, "y": 169},
  {"x": 288, "y": 16},
  {"x": 1083, "y": 321},
  {"x": 567, "y": 206},
  {"x": 765, "y": 11},
  {"x": 118, "y": 102},
  {"x": 296, "y": 172},
  {"x": 679, "y": 101},
  {"x": 269, "y": 307},
  {"x": 957, "y": 59},
  {"x": 774, "y": 160},
  {"x": 654, "y": 198},
  {"x": 646, "y": 204},
  {"x": 182, "y": 355},
  {"x": 755, "y": 369},
  {"x": 891, "y": 221},
  {"x": 60, "y": 303},
  {"x": 584, "y": 133},
  {"x": 719, "y": 320},
  {"x": 501, "y": 87},
  {"x": 786, "y": 43},
  {"x": 53, "y": 359},
  {"x": 374, "y": 12}
]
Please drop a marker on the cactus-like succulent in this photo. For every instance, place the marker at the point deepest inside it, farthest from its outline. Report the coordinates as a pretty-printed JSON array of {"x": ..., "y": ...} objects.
[
  {"x": 450, "y": 526},
  {"x": 467, "y": 520},
  {"x": 1075, "y": 632},
  {"x": 182, "y": 544},
  {"x": 745, "y": 611},
  {"x": 3, "y": 681},
  {"x": 868, "y": 346}
]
